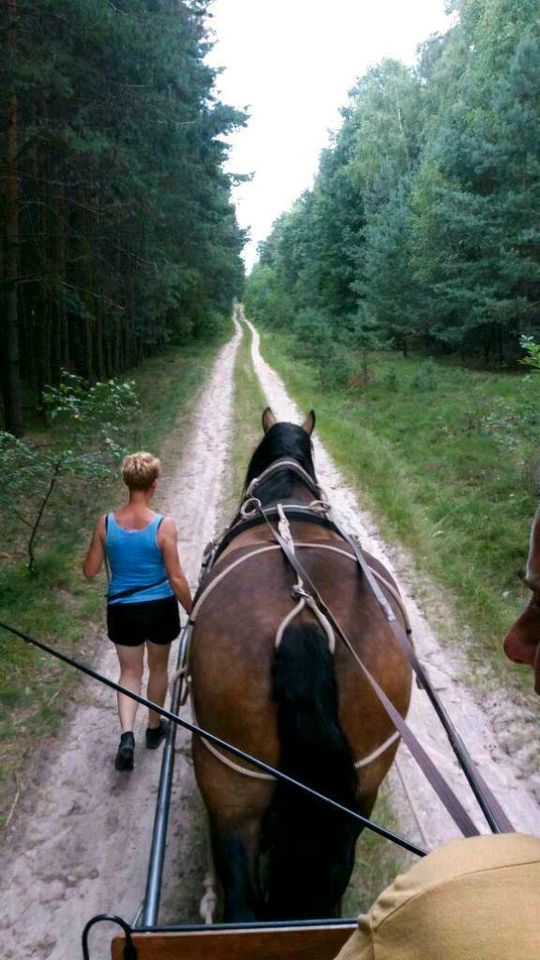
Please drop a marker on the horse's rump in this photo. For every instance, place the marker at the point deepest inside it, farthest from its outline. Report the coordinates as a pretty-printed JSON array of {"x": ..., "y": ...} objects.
[{"x": 233, "y": 651}]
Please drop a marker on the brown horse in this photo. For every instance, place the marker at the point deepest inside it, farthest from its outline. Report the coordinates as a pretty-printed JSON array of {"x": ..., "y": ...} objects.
[
  {"x": 522, "y": 642},
  {"x": 278, "y": 853}
]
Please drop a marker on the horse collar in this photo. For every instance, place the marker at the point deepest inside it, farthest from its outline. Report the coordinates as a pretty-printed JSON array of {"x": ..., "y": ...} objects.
[{"x": 283, "y": 464}]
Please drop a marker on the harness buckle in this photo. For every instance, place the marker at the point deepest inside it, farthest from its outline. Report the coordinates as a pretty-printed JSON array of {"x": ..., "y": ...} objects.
[
  {"x": 299, "y": 591},
  {"x": 250, "y": 507},
  {"x": 320, "y": 506},
  {"x": 208, "y": 553}
]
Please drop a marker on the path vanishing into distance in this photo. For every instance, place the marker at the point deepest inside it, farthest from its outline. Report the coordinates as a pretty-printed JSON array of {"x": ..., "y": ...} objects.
[{"x": 79, "y": 841}]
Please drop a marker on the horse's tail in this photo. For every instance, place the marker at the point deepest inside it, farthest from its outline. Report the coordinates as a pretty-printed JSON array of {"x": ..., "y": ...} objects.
[{"x": 310, "y": 846}]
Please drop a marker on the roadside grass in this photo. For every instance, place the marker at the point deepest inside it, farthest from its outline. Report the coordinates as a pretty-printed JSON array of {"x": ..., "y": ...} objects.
[
  {"x": 57, "y": 605},
  {"x": 377, "y": 860},
  {"x": 445, "y": 457}
]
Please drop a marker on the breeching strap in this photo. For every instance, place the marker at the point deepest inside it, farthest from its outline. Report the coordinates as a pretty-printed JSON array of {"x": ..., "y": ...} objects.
[{"x": 445, "y": 793}]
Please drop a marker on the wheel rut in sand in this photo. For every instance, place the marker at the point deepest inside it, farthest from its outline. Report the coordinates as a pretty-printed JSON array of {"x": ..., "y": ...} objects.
[
  {"x": 80, "y": 840},
  {"x": 503, "y": 775}
]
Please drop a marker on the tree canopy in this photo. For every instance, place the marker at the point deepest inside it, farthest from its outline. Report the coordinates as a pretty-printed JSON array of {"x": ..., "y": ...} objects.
[{"x": 423, "y": 219}]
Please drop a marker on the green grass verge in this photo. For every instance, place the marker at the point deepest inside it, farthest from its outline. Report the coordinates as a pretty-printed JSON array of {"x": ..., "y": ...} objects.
[
  {"x": 377, "y": 860},
  {"x": 57, "y": 605},
  {"x": 444, "y": 457}
]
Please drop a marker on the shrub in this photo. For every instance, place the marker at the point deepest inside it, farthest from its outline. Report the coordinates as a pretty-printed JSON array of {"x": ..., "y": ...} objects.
[
  {"x": 425, "y": 377},
  {"x": 85, "y": 446}
]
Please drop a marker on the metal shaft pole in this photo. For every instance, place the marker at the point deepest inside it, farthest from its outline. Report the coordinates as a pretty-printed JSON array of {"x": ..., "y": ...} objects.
[{"x": 154, "y": 876}]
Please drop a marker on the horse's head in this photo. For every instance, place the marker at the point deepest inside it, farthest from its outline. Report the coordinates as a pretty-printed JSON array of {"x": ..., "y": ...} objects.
[
  {"x": 282, "y": 441},
  {"x": 522, "y": 642}
]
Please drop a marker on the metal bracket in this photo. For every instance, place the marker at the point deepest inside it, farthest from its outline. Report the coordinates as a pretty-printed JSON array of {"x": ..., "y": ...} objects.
[{"x": 130, "y": 951}]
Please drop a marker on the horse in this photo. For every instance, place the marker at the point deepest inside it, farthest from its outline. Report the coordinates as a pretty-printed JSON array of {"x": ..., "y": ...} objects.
[
  {"x": 269, "y": 682},
  {"x": 522, "y": 642}
]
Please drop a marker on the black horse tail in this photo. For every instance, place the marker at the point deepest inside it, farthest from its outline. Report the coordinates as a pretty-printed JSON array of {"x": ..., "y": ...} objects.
[{"x": 310, "y": 846}]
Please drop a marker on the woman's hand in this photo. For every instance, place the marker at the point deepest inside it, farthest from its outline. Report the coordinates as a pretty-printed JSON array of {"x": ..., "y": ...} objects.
[
  {"x": 168, "y": 542},
  {"x": 96, "y": 551}
]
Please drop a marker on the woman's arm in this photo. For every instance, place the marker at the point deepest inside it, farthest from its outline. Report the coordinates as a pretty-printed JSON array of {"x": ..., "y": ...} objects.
[
  {"x": 96, "y": 551},
  {"x": 168, "y": 542}
]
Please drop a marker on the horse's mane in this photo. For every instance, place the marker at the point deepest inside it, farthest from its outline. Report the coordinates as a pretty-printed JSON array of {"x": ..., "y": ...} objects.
[{"x": 282, "y": 440}]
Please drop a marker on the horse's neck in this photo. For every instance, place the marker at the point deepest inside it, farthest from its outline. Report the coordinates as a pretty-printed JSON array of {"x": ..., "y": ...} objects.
[{"x": 286, "y": 488}]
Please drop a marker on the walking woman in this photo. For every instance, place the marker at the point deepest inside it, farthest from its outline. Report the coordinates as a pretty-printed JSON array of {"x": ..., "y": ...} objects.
[{"x": 146, "y": 582}]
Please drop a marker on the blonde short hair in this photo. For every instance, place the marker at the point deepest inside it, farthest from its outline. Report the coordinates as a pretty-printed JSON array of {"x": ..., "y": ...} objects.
[{"x": 139, "y": 470}]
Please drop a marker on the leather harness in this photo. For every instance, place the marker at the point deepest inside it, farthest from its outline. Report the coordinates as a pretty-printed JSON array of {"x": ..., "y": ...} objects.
[{"x": 253, "y": 513}]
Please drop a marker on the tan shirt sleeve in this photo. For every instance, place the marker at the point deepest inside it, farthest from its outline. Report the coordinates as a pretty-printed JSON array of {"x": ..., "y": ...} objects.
[{"x": 475, "y": 899}]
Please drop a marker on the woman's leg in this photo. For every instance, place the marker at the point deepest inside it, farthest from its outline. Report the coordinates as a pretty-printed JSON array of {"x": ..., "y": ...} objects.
[
  {"x": 158, "y": 658},
  {"x": 131, "y": 671}
]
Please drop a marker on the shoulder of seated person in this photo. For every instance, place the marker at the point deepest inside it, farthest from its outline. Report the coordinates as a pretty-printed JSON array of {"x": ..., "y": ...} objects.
[{"x": 460, "y": 860}]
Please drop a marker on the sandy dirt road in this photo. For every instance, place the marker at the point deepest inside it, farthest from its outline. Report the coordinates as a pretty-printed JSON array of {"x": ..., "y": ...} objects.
[{"x": 79, "y": 842}]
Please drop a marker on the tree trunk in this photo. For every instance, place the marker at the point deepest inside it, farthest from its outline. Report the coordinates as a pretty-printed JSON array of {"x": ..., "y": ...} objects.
[{"x": 11, "y": 387}]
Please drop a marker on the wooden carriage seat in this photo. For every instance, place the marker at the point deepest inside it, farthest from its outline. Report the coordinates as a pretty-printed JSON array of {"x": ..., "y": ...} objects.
[{"x": 284, "y": 943}]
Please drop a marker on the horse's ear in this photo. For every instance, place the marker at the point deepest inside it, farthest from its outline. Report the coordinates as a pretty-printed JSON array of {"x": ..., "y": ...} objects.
[
  {"x": 268, "y": 419},
  {"x": 309, "y": 423}
]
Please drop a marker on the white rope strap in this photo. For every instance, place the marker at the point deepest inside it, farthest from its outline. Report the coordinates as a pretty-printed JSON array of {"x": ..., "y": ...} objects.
[
  {"x": 304, "y": 599},
  {"x": 377, "y": 752},
  {"x": 245, "y": 771},
  {"x": 284, "y": 528},
  {"x": 309, "y": 602},
  {"x": 259, "y": 775},
  {"x": 316, "y": 546},
  {"x": 221, "y": 576},
  {"x": 286, "y": 621}
]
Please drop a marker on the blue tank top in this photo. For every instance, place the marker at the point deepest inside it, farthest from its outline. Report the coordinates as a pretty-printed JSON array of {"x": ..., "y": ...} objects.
[{"x": 135, "y": 559}]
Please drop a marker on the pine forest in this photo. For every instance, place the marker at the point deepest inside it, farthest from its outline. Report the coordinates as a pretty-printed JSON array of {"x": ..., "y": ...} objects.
[{"x": 118, "y": 232}]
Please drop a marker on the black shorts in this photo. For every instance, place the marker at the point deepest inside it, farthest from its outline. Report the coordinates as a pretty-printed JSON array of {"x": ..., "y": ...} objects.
[{"x": 130, "y": 624}]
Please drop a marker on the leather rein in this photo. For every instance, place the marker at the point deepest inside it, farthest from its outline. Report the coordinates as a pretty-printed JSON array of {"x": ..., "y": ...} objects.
[{"x": 253, "y": 512}]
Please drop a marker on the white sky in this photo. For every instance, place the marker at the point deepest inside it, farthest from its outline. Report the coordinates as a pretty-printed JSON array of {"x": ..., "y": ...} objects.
[{"x": 292, "y": 63}]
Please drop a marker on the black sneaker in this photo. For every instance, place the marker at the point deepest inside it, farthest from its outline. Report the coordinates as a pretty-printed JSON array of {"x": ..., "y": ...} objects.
[
  {"x": 154, "y": 735},
  {"x": 124, "y": 757}
]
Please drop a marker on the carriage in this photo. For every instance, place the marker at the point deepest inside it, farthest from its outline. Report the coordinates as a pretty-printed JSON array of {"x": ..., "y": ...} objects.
[{"x": 323, "y": 662}]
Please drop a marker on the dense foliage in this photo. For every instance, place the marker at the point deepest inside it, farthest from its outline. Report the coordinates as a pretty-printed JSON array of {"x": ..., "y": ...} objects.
[
  {"x": 86, "y": 446},
  {"x": 118, "y": 232},
  {"x": 422, "y": 227}
]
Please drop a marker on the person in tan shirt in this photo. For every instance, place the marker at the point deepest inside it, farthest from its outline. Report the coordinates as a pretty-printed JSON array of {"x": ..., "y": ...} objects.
[{"x": 475, "y": 899}]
